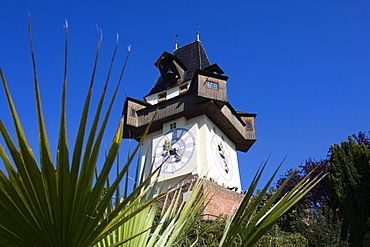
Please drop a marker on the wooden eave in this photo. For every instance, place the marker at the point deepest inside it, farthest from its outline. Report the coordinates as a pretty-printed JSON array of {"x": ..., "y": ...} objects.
[
  {"x": 174, "y": 58},
  {"x": 192, "y": 106},
  {"x": 246, "y": 114},
  {"x": 215, "y": 68},
  {"x": 141, "y": 102},
  {"x": 210, "y": 74}
]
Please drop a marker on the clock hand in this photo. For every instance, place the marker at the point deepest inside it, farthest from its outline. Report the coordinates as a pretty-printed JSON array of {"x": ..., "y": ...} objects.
[
  {"x": 219, "y": 147},
  {"x": 173, "y": 151},
  {"x": 167, "y": 146},
  {"x": 179, "y": 157},
  {"x": 222, "y": 154},
  {"x": 226, "y": 168},
  {"x": 221, "y": 151}
]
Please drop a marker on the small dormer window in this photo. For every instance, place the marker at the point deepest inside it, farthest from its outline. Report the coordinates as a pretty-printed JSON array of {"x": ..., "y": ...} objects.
[
  {"x": 162, "y": 97},
  {"x": 132, "y": 112},
  {"x": 248, "y": 125},
  {"x": 212, "y": 85}
]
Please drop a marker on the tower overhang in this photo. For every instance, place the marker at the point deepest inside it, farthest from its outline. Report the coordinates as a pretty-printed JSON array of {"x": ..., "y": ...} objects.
[{"x": 188, "y": 105}]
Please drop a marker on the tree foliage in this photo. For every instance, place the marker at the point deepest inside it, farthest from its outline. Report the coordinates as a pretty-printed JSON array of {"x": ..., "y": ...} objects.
[
  {"x": 314, "y": 200},
  {"x": 318, "y": 196},
  {"x": 276, "y": 238},
  {"x": 321, "y": 227},
  {"x": 336, "y": 204},
  {"x": 207, "y": 232},
  {"x": 349, "y": 185}
]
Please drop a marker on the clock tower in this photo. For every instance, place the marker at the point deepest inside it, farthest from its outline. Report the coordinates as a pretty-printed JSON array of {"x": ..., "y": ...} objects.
[{"x": 195, "y": 131}]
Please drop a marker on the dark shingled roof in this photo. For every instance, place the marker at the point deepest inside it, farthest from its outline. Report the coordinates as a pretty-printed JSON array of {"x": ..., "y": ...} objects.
[{"x": 193, "y": 56}]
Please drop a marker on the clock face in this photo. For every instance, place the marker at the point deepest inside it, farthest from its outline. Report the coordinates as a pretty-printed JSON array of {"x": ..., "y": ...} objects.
[
  {"x": 221, "y": 157},
  {"x": 174, "y": 150}
]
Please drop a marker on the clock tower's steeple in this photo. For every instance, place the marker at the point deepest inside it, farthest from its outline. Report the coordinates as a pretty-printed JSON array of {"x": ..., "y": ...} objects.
[{"x": 196, "y": 132}]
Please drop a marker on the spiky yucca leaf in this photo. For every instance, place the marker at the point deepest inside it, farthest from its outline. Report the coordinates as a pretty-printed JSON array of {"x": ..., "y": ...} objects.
[
  {"x": 47, "y": 204},
  {"x": 250, "y": 222},
  {"x": 169, "y": 227}
]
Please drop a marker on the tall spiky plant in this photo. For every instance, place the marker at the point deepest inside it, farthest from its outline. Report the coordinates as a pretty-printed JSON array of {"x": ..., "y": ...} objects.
[
  {"x": 61, "y": 204},
  {"x": 166, "y": 227},
  {"x": 255, "y": 217}
]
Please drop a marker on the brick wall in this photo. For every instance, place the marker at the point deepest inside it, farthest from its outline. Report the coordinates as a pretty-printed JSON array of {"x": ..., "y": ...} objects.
[{"x": 223, "y": 201}]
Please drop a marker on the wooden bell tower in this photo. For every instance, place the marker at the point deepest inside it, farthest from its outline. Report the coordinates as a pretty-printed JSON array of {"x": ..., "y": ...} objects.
[{"x": 196, "y": 132}]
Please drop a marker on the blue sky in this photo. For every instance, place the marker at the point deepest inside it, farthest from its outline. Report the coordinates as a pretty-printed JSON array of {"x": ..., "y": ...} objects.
[{"x": 302, "y": 66}]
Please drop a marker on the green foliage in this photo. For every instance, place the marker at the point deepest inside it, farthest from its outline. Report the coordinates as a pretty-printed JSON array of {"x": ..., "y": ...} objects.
[
  {"x": 335, "y": 206},
  {"x": 276, "y": 238},
  {"x": 321, "y": 228},
  {"x": 208, "y": 232},
  {"x": 165, "y": 228},
  {"x": 317, "y": 225},
  {"x": 349, "y": 187},
  {"x": 366, "y": 241},
  {"x": 60, "y": 204},
  {"x": 251, "y": 221}
]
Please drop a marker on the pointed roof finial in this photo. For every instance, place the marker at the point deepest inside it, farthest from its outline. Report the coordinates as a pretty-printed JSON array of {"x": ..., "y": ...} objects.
[
  {"x": 198, "y": 34},
  {"x": 176, "y": 42}
]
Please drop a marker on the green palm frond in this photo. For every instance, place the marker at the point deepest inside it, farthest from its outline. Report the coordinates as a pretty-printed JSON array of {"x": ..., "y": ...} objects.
[
  {"x": 251, "y": 221},
  {"x": 69, "y": 203},
  {"x": 60, "y": 204}
]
